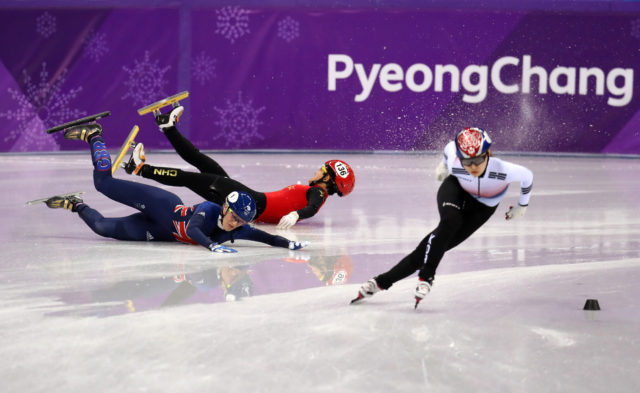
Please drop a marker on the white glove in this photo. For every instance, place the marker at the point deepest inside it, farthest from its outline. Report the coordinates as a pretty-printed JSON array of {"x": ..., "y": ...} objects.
[
  {"x": 442, "y": 171},
  {"x": 288, "y": 221},
  {"x": 297, "y": 245},
  {"x": 299, "y": 256},
  {"x": 515, "y": 212},
  {"x": 219, "y": 248}
]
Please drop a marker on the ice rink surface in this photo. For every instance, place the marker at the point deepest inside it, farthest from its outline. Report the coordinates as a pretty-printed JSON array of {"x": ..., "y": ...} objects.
[{"x": 80, "y": 313}]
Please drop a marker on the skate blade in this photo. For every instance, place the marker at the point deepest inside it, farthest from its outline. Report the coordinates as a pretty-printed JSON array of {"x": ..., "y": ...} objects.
[
  {"x": 162, "y": 103},
  {"x": 124, "y": 149},
  {"x": 418, "y": 300},
  {"x": 35, "y": 201},
  {"x": 360, "y": 297},
  {"x": 84, "y": 120}
]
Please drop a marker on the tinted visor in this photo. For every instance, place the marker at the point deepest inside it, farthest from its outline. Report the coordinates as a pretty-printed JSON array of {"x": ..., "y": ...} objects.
[{"x": 474, "y": 160}]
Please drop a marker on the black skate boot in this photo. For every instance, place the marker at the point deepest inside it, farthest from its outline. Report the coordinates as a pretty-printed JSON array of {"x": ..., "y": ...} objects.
[
  {"x": 71, "y": 202},
  {"x": 170, "y": 119},
  {"x": 136, "y": 161},
  {"x": 83, "y": 132}
]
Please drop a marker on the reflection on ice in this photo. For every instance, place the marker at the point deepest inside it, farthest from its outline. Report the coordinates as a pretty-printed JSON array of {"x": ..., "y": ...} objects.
[
  {"x": 505, "y": 313},
  {"x": 243, "y": 278}
]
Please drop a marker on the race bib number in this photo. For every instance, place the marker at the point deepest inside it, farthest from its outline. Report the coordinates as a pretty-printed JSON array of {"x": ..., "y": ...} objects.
[{"x": 341, "y": 170}]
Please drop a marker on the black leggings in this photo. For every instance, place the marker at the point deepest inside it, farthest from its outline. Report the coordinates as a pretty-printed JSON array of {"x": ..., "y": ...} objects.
[
  {"x": 212, "y": 183},
  {"x": 460, "y": 216}
]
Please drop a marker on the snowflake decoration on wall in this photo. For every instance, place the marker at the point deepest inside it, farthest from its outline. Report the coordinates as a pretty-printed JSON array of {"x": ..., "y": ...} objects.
[
  {"x": 239, "y": 122},
  {"x": 232, "y": 22},
  {"x": 95, "y": 46},
  {"x": 46, "y": 25},
  {"x": 635, "y": 28},
  {"x": 42, "y": 105},
  {"x": 288, "y": 29},
  {"x": 203, "y": 68},
  {"x": 146, "y": 81}
]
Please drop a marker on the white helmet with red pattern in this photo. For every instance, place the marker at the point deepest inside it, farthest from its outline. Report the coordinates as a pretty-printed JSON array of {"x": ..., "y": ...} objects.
[{"x": 472, "y": 142}]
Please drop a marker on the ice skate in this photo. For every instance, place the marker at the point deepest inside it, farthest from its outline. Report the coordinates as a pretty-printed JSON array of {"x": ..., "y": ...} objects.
[
  {"x": 43, "y": 200},
  {"x": 136, "y": 161},
  {"x": 85, "y": 120},
  {"x": 70, "y": 202},
  {"x": 170, "y": 119},
  {"x": 422, "y": 289},
  {"x": 174, "y": 101},
  {"x": 367, "y": 290},
  {"x": 83, "y": 132},
  {"x": 129, "y": 143}
]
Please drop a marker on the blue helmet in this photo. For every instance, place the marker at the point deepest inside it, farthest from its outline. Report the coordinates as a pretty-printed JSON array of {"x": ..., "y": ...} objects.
[
  {"x": 472, "y": 142},
  {"x": 239, "y": 288},
  {"x": 242, "y": 204}
]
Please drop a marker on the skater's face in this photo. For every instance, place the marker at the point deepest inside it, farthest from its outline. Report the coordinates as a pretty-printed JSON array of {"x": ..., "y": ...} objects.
[
  {"x": 320, "y": 175},
  {"x": 231, "y": 221},
  {"x": 477, "y": 165}
]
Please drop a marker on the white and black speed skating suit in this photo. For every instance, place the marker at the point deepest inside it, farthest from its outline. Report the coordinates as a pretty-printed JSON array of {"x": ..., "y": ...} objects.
[{"x": 465, "y": 203}]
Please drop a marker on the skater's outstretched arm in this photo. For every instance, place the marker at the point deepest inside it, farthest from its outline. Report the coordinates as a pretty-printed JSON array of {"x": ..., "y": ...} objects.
[
  {"x": 254, "y": 234},
  {"x": 204, "y": 219},
  {"x": 203, "y": 229},
  {"x": 315, "y": 199}
]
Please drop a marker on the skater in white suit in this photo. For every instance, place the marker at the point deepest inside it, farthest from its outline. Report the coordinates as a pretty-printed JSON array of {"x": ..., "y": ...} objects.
[{"x": 473, "y": 184}]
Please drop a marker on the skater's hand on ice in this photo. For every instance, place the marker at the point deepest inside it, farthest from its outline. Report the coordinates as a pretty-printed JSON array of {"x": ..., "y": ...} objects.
[
  {"x": 288, "y": 221},
  {"x": 441, "y": 171},
  {"x": 297, "y": 245},
  {"x": 219, "y": 248},
  {"x": 515, "y": 212}
]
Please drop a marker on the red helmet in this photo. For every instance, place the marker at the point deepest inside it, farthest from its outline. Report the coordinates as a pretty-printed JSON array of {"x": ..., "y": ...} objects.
[
  {"x": 341, "y": 271},
  {"x": 342, "y": 175}
]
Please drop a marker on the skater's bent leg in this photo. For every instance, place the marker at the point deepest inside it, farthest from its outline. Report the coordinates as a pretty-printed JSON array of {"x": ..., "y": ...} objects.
[
  {"x": 425, "y": 257},
  {"x": 139, "y": 196},
  {"x": 136, "y": 195},
  {"x": 134, "y": 227},
  {"x": 451, "y": 205},
  {"x": 437, "y": 243},
  {"x": 406, "y": 267},
  {"x": 196, "y": 182},
  {"x": 99, "y": 156},
  {"x": 460, "y": 216},
  {"x": 108, "y": 227},
  {"x": 474, "y": 217},
  {"x": 192, "y": 155}
]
